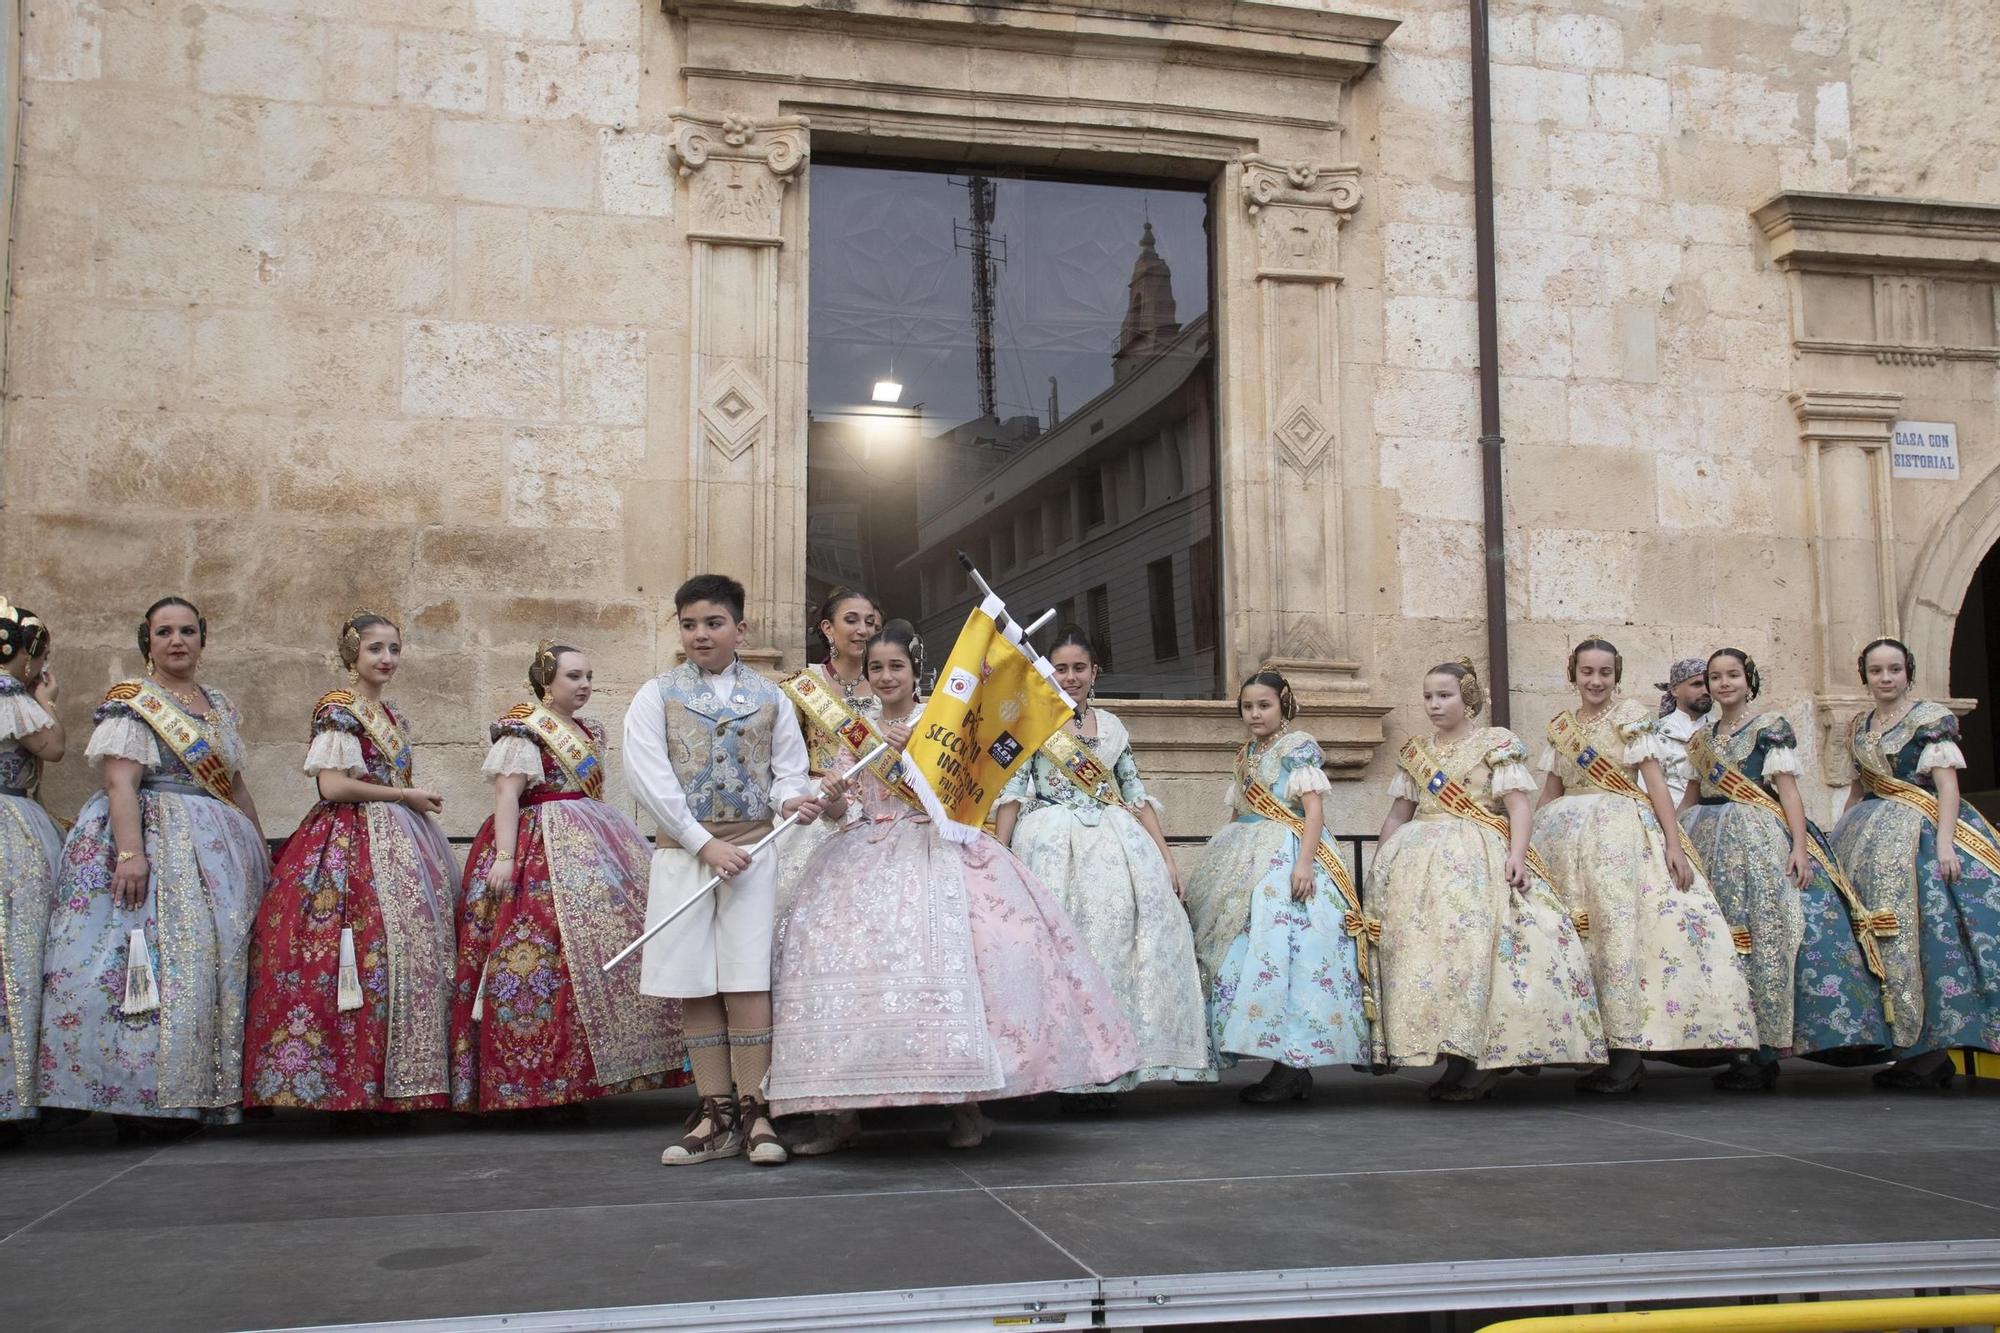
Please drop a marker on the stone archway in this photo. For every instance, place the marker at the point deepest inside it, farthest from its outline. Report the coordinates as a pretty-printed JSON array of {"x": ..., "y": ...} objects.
[{"x": 1943, "y": 572}]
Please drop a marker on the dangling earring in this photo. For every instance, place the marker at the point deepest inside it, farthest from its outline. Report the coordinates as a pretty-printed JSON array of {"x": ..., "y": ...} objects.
[
  {"x": 353, "y": 675},
  {"x": 151, "y": 670}
]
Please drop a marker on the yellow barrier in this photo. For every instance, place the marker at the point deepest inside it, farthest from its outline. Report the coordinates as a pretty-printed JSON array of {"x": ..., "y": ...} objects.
[
  {"x": 1980, "y": 1064},
  {"x": 1799, "y": 1317}
]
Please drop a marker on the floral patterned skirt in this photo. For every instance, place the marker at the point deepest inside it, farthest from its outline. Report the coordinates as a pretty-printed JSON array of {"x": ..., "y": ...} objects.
[
  {"x": 1286, "y": 986},
  {"x": 1944, "y": 963},
  {"x": 1808, "y": 980},
  {"x": 387, "y": 874},
  {"x": 1109, "y": 875},
  {"x": 183, "y": 1060},
  {"x": 1663, "y": 962},
  {"x": 1470, "y": 967},
  {"x": 30, "y": 850},
  {"x": 552, "y": 1026}
]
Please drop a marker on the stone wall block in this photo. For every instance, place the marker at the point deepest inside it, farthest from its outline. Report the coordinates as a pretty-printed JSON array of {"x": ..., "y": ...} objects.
[
  {"x": 1525, "y": 94},
  {"x": 150, "y": 47},
  {"x": 611, "y": 22},
  {"x": 535, "y": 166},
  {"x": 508, "y": 372},
  {"x": 547, "y": 562},
  {"x": 111, "y": 353},
  {"x": 600, "y": 269},
  {"x": 1443, "y": 571},
  {"x": 536, "y": 20},
  {"x": 164, "y": 242},
  {"x": 1598, "y": 489},
  {"x": 1429, "y": 260},
  {"x": 1613, "y": 163},
  {"x": 55, "y": 235},
  {"x": 604, "y": 376},
  {"x": 365, "y": 255},
  {"x": 569, "y": 477},
  {"x": 1580, "y": 575},
  {"x": 1534, "y": 411},
  {"x": 64, "y": 40},
  {"x": 411, "y": 473},
  {"x": 1534, "y": 339},
  {"x": 238, "y": 56},
  {"x": 1705, "y": 492},
  {"x": 636, "y": 173},
  {"x": 361, "y": 65},
  {"x": 1434, "y": 404},
  {"x": 1579, "y": 41},
  {"x": 569, "y": 82},
  {"x": 123, "y": 133},
  {"x": 291, "y": 587},
  {"x": 491, "y": 276},
  {"x": 83, "y": 458},
  {"x": 1437, "y": 479},
  {"x": 1430, "y": 333},
  {"x": 266, "y": 358},
  {"x": 445, "y": 70},
  {"x": 1734, "y": 106},
  {"x": 339, "y": 150},
  {"x": 1632, "y": 103}
]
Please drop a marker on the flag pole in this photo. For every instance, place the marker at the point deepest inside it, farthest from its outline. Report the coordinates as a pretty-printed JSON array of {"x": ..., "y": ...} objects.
[
  {"x": 877, "y": 752},
  {"x": 1004, "y": 619}
]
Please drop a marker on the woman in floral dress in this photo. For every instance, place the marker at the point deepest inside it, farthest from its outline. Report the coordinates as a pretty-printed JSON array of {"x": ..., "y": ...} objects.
[
  {"x": 148, "y": 944},
  {"x": 1271, "y": 902},
  {"x": 915, "y": 971},
  {"x": 30, "y": 848},
  {"x": 350, "y": 1003},
  {"x": 1480, "y": 964},
  {"x": 1081, "y": 821},
  {"x": 554, "y": 886},
  {"x": 1812, "y": 949},
  {"x": 1662, "y": 956},
  {"x": 1943, "y": 963}
]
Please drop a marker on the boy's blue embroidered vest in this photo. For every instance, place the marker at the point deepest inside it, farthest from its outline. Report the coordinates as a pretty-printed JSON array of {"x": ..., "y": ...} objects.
[{"x": 719, "y": 740}]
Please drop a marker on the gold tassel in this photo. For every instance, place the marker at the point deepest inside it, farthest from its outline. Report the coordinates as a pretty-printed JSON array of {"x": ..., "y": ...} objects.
[
  {"x": 479, "y": 995},
  {"x": 142, "y": 991},
  {"x": 1740, "y": 936},
  {"x": 350, "y": 975}
]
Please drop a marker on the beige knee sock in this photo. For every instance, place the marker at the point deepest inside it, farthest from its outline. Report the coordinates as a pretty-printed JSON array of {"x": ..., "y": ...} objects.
[
  {"x": 708, "y": 1053},
  {"x": 750, "y": 1059}
]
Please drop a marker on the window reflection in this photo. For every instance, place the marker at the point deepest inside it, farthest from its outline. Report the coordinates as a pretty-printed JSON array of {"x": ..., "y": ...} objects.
[{"x": 1055, "y": 421}]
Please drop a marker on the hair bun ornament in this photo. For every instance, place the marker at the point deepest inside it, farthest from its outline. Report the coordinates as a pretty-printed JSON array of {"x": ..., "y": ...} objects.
[
  {"x": 1469, "y": 668},
  {"x": 543, "y": 669}
]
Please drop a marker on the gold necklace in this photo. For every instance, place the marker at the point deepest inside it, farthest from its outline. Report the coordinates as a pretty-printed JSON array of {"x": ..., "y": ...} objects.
[
  {"x": 200, "y": 701},
  {"x": 1594, "y": 717}
]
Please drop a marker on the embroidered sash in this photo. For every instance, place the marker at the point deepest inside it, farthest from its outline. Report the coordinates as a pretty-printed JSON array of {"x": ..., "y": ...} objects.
[
  {"x": 1080, "y": 764},
  {"x": 179, "y": 731},
  {"x": 576, "y": 756},
  {"x": 1965, "y": 837},
  {"x": 1422, "y": 766},
  {"x": 1722, "y": 774},
  {"x": 835, "y": 718},
  {"x": 1360, "y": 927},
  {"x": 381, "y": 728},
  {"x": 1567, "y": 735}
]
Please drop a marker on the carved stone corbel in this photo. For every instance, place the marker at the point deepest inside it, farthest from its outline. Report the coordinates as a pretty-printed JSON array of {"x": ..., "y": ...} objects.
[{"x": 1296, "y": 210}]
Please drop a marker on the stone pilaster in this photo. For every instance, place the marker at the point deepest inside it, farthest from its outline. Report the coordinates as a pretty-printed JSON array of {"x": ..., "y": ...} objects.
[
  {"x": 1852, "y": 530},
  {"x": 1286, "y": 480},
  {"x": 745, "y": 501}
]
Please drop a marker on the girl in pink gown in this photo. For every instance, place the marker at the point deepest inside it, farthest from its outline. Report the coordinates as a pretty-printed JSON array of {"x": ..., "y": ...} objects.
[{"x": 913, "y": 971}]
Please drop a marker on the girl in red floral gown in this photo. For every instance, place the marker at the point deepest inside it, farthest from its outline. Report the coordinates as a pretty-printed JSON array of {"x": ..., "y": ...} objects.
[
  {"x": 350, "y": 966},
  {"x": 555, "y": 885}
]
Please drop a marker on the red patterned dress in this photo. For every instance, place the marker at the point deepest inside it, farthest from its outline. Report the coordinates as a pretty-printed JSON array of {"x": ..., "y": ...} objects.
[
  {"x": 382, "y": 875},
  {"x": 535, "y": 1019}
]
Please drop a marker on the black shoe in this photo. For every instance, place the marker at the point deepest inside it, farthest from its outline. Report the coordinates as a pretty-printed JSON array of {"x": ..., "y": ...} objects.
[
  {"x": 1282, "y": 1084},
  {"x": 1902, "y": 1079},
  {"x": 1748, "y": 1076}
]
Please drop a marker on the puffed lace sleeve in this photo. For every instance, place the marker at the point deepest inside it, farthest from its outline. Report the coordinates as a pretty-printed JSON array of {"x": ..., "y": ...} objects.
[
  {"x": 20, "y": 714},
  {"x": 1940, "y": 741},
  {"x": 1020, "y": 789},
  {"x": 336, "y": 744},
  {"x": 1507, "y": 760},
  {"x": 1302, "y": 771},
  {"x": 1547, "y": 760},
  {"x": 512, "y": 756},
  {"x": 121, "y": 735},
  {"x": 1639, "y": 728},
  {"x": 1781, "y": 748},
  {"x": 1402, "y": 789}
]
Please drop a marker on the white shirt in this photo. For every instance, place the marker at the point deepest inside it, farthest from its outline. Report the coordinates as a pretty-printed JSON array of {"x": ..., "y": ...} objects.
[
  {"x": 650, "y": 774},
  {"x": 1679, "y": 728}
]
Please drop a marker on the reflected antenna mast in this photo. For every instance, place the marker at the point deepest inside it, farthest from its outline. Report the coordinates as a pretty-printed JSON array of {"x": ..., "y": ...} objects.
[{"x": 988, "y": 252}]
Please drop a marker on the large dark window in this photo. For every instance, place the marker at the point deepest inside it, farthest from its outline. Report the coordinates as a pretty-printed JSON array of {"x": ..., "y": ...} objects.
[{"x": 1019, "y": 368}]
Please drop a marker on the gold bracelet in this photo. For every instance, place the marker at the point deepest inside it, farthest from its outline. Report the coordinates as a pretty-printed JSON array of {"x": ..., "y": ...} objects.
[
  {"x": 123, "y": 857},
  {"x": 502, "y": 856}
]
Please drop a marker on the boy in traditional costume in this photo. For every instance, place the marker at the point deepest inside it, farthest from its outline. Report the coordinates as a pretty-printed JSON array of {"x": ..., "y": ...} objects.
[{"x": 712, "y": 751}]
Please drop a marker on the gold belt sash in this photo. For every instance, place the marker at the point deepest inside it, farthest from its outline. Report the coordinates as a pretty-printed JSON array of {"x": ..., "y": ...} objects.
[
  {"x": 1739, "y": 787},
  {"x": 1567, "y": 735},
  {"x": 576, "y": 756},
  {"x": 1360, "y": 927},
  {"x": 179, "y": 731},
  {"x": 380, "y": 728},
  {"x": 1080, "y": 764},
  {"x": 735, "y": 832},
  {"x": 832, "y": 715},
  {"x": 1966, "y": 838}
]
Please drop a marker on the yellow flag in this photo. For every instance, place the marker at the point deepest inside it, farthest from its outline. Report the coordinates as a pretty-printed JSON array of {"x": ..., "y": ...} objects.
[{"x": 996, "y": 702}]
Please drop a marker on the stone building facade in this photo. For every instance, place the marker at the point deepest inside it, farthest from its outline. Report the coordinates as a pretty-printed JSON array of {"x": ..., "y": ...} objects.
[{"x": 491, "y": 313}]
